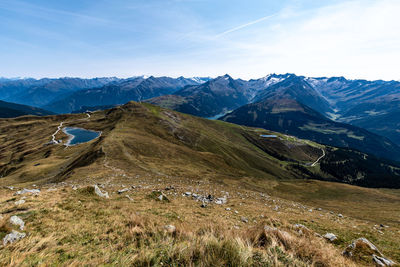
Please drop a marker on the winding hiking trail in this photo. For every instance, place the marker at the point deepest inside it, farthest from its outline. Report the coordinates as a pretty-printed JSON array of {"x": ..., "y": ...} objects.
[
  {"x": 323, "y": 155},
  {"x": 54, "y": 134}
]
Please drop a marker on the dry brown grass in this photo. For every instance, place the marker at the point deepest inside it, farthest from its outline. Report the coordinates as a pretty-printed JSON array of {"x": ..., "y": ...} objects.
[{"x": 72, "y": 228}]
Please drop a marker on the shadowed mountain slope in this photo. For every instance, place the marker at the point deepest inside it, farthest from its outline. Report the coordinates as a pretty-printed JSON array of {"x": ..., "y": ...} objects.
[
  {"x": 11, "y": 110},
  {"x": 291, "y": 117}
]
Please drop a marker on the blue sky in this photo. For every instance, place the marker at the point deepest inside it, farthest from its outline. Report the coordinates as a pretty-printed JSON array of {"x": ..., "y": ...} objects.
[{"x": 247, "y": 39}]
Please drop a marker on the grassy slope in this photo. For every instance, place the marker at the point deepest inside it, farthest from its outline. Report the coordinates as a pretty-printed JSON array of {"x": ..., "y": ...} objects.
[{"x": 143, "y": 144}]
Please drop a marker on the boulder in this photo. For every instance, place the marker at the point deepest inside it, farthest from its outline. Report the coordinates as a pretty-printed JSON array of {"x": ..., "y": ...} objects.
[
  {"x": 381, "y": 261},
  {"x": 13, "y": 237},
  {"x": 363, "y": 250},
  {"x": 15, "y": 220},
  {"x": 330, "y": 237},
  {"x": 98, "y": 192}
]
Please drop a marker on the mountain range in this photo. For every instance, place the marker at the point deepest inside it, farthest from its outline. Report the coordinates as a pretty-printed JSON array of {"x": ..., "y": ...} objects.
[{"x": 358, "y": 114}]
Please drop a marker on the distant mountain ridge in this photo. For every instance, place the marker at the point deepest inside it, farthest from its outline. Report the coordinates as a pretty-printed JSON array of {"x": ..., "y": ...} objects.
[
  {"x": 11, "y": 110},
  {"x": 121, "y": 92},
  {"x": 41, "y": 92},
  {"x": 372, "y": 105}
]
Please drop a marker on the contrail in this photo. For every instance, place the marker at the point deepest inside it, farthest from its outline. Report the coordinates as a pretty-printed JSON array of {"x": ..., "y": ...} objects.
[{"x": 244, "y": 25}]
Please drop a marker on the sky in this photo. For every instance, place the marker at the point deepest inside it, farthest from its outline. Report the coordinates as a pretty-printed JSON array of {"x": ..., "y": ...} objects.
[{"x": 246, "y": 39}]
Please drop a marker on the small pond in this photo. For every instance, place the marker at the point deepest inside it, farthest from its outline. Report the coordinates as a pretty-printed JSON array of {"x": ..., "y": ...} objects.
[{"x": 79, "y": 135}]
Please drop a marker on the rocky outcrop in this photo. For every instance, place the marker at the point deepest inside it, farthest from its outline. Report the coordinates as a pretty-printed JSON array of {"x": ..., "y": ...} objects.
[{"x": 362, "y": 250}]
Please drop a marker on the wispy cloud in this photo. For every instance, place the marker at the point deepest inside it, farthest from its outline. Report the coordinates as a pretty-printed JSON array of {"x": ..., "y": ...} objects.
[{"x": 245, "y": 25}]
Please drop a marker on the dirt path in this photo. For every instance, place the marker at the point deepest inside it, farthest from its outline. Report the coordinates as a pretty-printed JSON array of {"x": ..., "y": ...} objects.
[
  {"x": 323, "y": 155},
  {"x": 54, "y": 134}
]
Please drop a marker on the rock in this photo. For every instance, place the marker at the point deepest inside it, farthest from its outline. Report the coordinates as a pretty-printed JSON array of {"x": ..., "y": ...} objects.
[
  {"x": 203, "y": 205},
  {"x": 244, "y": 219},
  {"x": 170, "y": 228},
  {"x": 362, "y": 248},
  {"x": 15, "y": 220},
  {"x": 123, "y": 190},
  {"x": 228, "y": 209},
  {"x": 159, "y": 196},
  {"x": 25, "y": 191},
  {"x": 221, "y": 200},
  {"x": 188, "y": 194},
  {"x": 299, "y": 226},
  {"x": 269, "y": 228},
  {"x": 236, "y": 211},
  {"x": 128, "y": 197},
  {"x": 381, "y": 261},
  {"x": 98, "y": 192},
  {"x": 13, "y": 237},
  {"x": 19, "y": 202},
  {"x": 301, "y": 229},
  {"x": 10, "y": 187},
  {"x": 330, "y": 237},
  {"x": 340, "y": 215}
]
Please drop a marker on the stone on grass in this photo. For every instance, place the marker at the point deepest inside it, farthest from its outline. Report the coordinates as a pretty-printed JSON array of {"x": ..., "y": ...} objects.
[
  {"x": 13, "y": 237},
  {"x": 221, "y": 200},
  {"x": 19, "y": 202},
  {"x": 15, "y": 220},
  {"x": 25, "y": 191},
  {"x": 330, "y": 237},
  {"x": 170, "y": 228},
  {"x": 123, "y": 190},
  {"x": 381, "y": 261},
  {"x": 244, "y": 219},
  {"x": 98, "y": 192}
]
